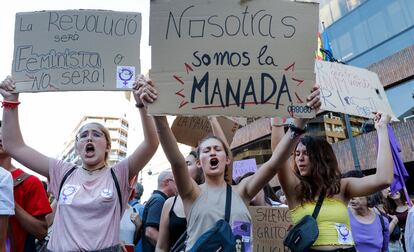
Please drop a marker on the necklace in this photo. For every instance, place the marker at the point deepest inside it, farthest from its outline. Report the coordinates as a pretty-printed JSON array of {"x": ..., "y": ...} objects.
[{"x": 90, "y": 172}]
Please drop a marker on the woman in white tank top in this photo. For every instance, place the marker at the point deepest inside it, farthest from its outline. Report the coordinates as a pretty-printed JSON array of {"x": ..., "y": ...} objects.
[{"x": 200, "y": 201}]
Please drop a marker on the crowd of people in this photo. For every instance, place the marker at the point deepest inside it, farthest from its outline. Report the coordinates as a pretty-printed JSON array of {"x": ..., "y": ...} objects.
[{"x": 197, "y": 203}]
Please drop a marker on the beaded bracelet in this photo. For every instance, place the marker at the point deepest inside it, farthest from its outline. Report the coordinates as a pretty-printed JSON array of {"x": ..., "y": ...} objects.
[{"x": 9, "y": 104}]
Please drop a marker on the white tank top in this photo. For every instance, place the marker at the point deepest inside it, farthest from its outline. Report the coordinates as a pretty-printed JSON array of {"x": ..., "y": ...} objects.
[{"x": 209, "y": 207}]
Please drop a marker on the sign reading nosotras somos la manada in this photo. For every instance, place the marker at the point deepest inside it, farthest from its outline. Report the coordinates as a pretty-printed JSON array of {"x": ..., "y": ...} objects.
[
  {"x": 76, "y": 50},
  {"x": 234, "y": 58}
]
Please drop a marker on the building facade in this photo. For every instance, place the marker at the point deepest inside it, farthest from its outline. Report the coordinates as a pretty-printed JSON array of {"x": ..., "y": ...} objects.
[
  {"x": 377, "y": 35},
  {"x": 118, "y": 129},
  {"x": 374, "y": 34}
]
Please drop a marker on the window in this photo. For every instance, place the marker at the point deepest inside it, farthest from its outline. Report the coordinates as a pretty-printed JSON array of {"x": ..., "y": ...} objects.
[
  {"x": 396, "y": 17},
  {"x": 378, "y": 28},
  {"x": 345, "y": 45}
]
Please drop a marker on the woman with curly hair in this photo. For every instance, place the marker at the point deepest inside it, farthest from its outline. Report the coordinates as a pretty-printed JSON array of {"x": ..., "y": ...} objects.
[{"x": 315, "y": 172}]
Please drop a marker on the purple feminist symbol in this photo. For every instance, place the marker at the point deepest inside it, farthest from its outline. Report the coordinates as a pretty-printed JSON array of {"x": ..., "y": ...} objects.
[{"x": 125, "y": 75}]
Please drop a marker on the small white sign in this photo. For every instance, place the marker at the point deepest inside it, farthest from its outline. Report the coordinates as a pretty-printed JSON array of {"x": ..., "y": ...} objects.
[{"x": 125, "y": 77}]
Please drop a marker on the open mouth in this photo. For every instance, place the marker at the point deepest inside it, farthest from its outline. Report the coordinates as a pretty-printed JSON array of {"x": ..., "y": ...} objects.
[
  {"x": 89, "y": 149},
  {"x": 214, "y": 162}
]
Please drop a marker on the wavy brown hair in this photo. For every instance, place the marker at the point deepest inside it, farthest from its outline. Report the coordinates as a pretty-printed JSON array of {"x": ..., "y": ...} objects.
[
  {"x": 324, "y": 171},
  {"x": 228, "y": 170}
]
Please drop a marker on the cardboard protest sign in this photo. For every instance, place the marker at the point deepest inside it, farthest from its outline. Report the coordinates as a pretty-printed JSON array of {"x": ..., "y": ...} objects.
[
  {"x": 350, "y": 90},
  {"x": 234, "y": 58},
  {"x": 190, "y": 130},
  {"x": 76, "y": 50},
  {"x": 241, "y": 167},
  {"x": 270, "y": 227},
  {"x": 242, "y": 121}
]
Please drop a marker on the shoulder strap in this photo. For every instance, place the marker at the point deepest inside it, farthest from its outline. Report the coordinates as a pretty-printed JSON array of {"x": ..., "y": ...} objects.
[
  {"x": 180, "y": 243},
  {"x": 113, "y": 177},
  {"x": 318, "y": 205},
  {"x": 383, "y": 228},
  {"x": 118, "y": 189},
  {"x": 382, "y": 222},
  {"x": 133, "y": 204},
  {"x": 175, "y": 199},
  {"x": 19, "y": 179},
  {"x": 228, "y": 204},
  {"x": 65, "y": 177}
]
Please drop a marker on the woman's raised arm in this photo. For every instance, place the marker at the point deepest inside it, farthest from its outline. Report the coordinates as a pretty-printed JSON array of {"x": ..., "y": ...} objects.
[
  {"x": 13, "y": 142},
  {"x": 143, "y": 93},
  {"x": 281, "y": 153},
  {"x": 384, "y": 175}
]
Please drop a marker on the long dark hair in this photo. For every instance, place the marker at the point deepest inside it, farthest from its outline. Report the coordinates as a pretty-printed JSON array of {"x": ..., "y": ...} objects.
[
  {"x": 228, "y": 170},
  {"x": 324, "y": 171}
]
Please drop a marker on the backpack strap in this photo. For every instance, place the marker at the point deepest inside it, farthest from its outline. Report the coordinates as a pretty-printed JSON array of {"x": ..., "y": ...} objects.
[
  {"x": 113, "y": 177},
  {"x": 228, "y": 204},
  {"x": 318, "y": 205},
  {"x": 16, "y": 182},
  {"x": 383, "y": 228},
  {"x": 118, "y": 189},
  {"x": 20, "y": 179},
  {"x": 65, "y": 177}
]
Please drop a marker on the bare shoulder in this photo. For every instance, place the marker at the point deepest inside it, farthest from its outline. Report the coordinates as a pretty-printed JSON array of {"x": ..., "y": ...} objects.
[{"x": 168, "y": 203}]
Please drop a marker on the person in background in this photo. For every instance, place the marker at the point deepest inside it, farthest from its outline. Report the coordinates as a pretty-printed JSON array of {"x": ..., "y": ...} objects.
[
  {"x": 370, "y": 230},
  {"x": 280, "y": 195},
  {"x": 377, "y": 200},
  {"x": 130, "y": 225},
  {"x": 6, "y": 205},
  {"x": 315, "y": 172},
  {"x": 136, "y": 200},
  {"x": 397, "y": 205},
  {"x": 139, "y": 208},
  {"x": 92, "y": 196},
  {"x": 31, "y": 205},
  {"x": 173, "y": 222},
  {"x": 409, "y": 231},
  {"x": 152, "y": 211}
]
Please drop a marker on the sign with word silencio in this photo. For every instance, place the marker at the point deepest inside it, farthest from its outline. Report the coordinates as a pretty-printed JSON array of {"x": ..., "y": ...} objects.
[
  {"x": 190, "y": 130},
  {"x": 233, "y": 57},
  {"x": 351, "y": 90},
  {"x": 270, "y": 227},
  {"x": 76, "y": 50}
]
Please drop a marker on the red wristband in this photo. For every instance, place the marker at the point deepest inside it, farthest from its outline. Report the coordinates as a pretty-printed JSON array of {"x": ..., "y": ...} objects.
[{"x": 9, "y": 104}]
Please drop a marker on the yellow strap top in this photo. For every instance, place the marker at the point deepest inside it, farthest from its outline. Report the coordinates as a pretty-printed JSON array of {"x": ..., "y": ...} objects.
[{"x": 333, "y": 211}]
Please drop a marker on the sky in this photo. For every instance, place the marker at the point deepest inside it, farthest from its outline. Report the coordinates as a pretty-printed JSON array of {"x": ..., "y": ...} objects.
[{"x": 47, "y": 119}]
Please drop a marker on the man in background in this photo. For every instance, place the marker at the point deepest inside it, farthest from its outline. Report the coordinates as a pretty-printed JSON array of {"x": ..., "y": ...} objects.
[
  {"x": 31, "y": 206},
  {"x": 6, "y": 205},
  {"x": 153, "y": 208}
]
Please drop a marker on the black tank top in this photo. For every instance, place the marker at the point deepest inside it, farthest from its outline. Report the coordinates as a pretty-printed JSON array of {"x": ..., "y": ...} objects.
[{"x": 177, "y": 225}]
